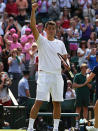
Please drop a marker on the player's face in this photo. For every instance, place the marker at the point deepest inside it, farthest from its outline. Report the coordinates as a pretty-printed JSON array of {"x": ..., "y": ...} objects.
[{"x": 51, "y": 30}]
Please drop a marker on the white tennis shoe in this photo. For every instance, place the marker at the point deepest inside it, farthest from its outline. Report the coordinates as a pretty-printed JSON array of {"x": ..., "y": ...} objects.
[{"x": 91, "y": 128}]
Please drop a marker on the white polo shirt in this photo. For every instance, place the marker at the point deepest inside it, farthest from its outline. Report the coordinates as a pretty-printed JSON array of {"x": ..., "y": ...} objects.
[{"x": 47, "y": 53}]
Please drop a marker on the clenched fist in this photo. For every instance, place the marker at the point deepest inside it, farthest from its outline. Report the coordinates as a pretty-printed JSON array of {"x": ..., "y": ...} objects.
[{"x": 34, "y": 6}]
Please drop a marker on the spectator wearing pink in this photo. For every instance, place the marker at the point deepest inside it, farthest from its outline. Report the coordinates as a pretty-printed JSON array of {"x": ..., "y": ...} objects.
[
  {"x": 8, "y": 35},
  {"x": 15, "y": 44},
  {"x": 27, "y": 48},
  {"x": 27, "y": 32},
  {"x": 23, "y": 41}
]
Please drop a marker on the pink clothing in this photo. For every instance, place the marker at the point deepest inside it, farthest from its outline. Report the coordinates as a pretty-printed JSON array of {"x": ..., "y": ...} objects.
[
  {"x": 0, "y": 49},
  {"x": 42, "y": 4},
  {"x": 15, "y": 45},
  {"x": 27, "y": 49},
  {"x": 10, "y": 38},
  {"x": 23, "y": 50},
  {"x": 26, "y": 36}
]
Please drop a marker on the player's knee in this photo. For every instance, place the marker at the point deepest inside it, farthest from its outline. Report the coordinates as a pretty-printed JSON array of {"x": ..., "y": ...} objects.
[
  {"x": 56, "y": 104},
  {"x": 38, "y": 103}
]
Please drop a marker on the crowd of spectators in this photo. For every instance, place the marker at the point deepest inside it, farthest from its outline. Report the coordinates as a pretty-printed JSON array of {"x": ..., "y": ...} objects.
[{"x": 77, "y": 27}]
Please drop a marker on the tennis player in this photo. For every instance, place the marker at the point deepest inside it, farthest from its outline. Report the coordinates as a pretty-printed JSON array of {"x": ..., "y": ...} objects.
[{"x": 49, "y": 70}]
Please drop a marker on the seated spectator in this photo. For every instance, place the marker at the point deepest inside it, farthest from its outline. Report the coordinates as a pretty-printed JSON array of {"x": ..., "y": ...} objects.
[
  {"x": 92, "y": 39},
  {"x": 89, "y": 12},
  {"x": 21, "y": 56},
  {"x": 62, "y": 4},
  {"x": 11, "y": 8},
  {"x": 27, "y": 48},
  {"x": 8, "y": 35},
  {"x": 4, "y": 56},
  {"x": 12, "y": 24},
  {"x": 65, "y": 21},
  {"x": 84, "y": 3},
  {"x": 42, "y": 15},
  {"x": 3, "y": 24},
  {"x": 77, "y": 23},
  {"x": 70, "y": 93},
  {"x": 2, "y": 7},
  {"x": 14, "y": 65},
  {"x": 92, "y": 59},
  {"x": 96, "y": 27},
  {"x": 82, "y": 53},
  {"x": 22, "y": 5},
  {"x": 86, "y": 28},
  {"x": 54, "y": 11},
  {"x": 26, "y": 25},
  {"x": 72, "y": 39},
  {"x": 22, "y": 15},
  {"x": 14, "y": 44},
  {"x": 27, "y": 32},
  {"x": 5, "y": 82},
  {"x": 23, "y": 88},
  {"x": 23, "y": 41}
]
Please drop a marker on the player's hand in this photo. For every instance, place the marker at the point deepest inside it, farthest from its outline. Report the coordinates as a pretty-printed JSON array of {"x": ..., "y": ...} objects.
[{"x": 34, "y": 6}]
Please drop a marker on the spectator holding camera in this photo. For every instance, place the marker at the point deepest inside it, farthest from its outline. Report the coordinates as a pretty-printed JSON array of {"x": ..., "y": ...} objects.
[
  {"x": 14, "y": 63},
  {"x": 70, "y": 93},
  {"x": 5, "y": 82}
]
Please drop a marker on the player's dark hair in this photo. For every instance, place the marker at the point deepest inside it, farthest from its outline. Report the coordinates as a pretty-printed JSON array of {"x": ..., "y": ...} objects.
[{"x": 50, "y": 23}]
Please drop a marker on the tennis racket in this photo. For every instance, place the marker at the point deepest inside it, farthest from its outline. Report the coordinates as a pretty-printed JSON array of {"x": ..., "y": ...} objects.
[{"x": 65, "y": 63}]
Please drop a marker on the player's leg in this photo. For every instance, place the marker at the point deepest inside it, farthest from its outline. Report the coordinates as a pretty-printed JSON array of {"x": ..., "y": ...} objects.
[
  {"x": 96, "y": 114},
  {"x": 33, "y": 114},
  {"x": 85, "y": 104},
  {"x": 78, "y": 108},
  {"x": 57, "y": 97},
  {"x": 56, "y": 114},
  {"x": 85, "y": 112},
  {"x": 42, "y": 95}
]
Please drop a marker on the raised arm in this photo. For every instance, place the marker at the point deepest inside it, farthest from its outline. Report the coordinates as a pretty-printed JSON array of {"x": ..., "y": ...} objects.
[{"x": 33, "y": 21}]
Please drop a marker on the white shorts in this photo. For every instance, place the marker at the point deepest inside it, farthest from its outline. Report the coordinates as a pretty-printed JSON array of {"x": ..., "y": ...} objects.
[{"x": 47, "y": 84}]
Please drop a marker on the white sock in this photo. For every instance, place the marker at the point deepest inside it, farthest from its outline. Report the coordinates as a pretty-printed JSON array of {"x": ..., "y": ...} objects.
[
  {"x": 31, "y": 123},
  {"x": 77, "y": 123},
  {"x": 56, "y": 123}
]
